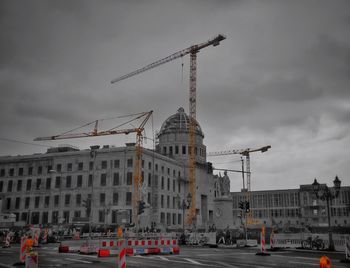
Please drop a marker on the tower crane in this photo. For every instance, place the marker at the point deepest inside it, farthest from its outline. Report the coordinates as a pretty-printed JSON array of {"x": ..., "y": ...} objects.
[
  {"x": 192, "y": 50},
  {"x": 246, "y": 153},
  {"x": 114, "y": 131}
]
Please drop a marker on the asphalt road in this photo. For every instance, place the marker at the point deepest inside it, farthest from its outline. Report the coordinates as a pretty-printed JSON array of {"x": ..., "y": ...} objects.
[{"x": 190, "y": 257}]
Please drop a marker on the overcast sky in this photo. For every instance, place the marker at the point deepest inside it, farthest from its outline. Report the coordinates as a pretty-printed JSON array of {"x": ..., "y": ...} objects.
[{"x": 281, "y": 78}]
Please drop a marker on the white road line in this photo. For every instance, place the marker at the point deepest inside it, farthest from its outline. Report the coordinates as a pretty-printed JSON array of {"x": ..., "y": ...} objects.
[
  {"x": 77, "y": 260},
  {"x": 306, "y": 258},
  {"x": 193, "y": 261},
  {"x": 5, "y": 265},
  {"x": 163, "y": 258},
  {"x": 304, "y": 263}
]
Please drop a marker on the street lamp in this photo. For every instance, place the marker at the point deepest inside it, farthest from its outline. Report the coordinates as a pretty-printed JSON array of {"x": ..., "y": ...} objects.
[
  {"x": 184, "y": 205},
  {"x": 93, "y": 153},
  {"x": 326, "y": 194},
  {"x": 59, "y": 218}
]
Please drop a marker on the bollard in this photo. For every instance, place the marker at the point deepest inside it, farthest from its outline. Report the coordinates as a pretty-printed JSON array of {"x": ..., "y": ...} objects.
[
  {"x": 262, "y": 243},
  {"x": 122, "y": 254},
  {"x": 7, "y": 240},
  {"x": 325, "y": 262}
]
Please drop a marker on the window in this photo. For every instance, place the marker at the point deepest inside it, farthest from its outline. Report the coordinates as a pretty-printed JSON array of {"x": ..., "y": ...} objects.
[
  {"x": 9, "y": 186},
  {"x": 69, "y": 167},
  {"x": 80, "y": 166},
  {"x": 78, "y": 200},
  {"x": 168, "y": 218},
  {"x": 103, "y": 179},
  {"x": 30, "y": 171},
  {"x": 174, "y": 218},
  {"x": 48, "y": 183},
  {"x": 104, "y": 164},
  {"x": 66, "y": 216},
  {"x": 27, "y": 202},
  {"x": 116, "y": 163},
  {"x": 58, "y": 182},
  {"x": 174, "y": 202},
  {"x": 54, "y": 217},
  {"x": 168, "y": 201},
  {"x": 40, "y": 170},
  {"x": 149, "y": 180},
  {"x": 179, "y": 219},
  {"x": 59, "y": 167},
  {"x": 149, "y": 165},
  {"x": 36, "y": 201},
  {"x": 29, "y": 185},
  {"x": 45, "y": 217},
  {"x": 164, "y": 150},
  {"x": 77, "y": 214},
  {"x": 20, "y": 171},
  {"x": 79, "y": 181},
  {"x": 101, "y": 216},
  {"x": 91, "y": 165},
  {"x": 116, "y": 178},
  {"x": 48, "y": 169},
  {"x": 149, "y": 198},
  {"x": 67, "y": 200},
  {"x": 183, "y": 149},
  {"x": 162, "y": 183},
  {"x": 170, "y": 150},
  {"x": 174, "y": 186},
  {"x": 90, "y": 181},
  {"x": 156, "y": 167},
  {"x": 56, "y": 200},
  {"x": 162, "y": 217},
  {"x": 128, "y": 198},
  {"x": 129, "y": 178},
  {"x": 102, "y": 199},
  {"x": 2, "y": 172},
  {"x": 38, "y": 184},
  {"x": 115, "y": 198},
  {"x": 18, "y": 201},
  {"x": 47, "y": 201},
  {"x": 1, "y": 186},
  {"x": 168, "y": 171},
  {"x": 162, "y": 201},
  {"x": 12, "y": 172},
  {"x": 176, "y": 149},
  {"x": 162, "y": 169},
  {"x": 19, "y": 185},
  {"x": 129, "y": 163},
  {"x": 168, "y": 185}
]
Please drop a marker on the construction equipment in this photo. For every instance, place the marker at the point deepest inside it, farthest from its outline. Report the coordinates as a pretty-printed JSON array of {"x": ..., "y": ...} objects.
[
  {"x": 114, "y": 131},
  {"x": 192, "y": 50},
  {"x": 246, "y": 153}
]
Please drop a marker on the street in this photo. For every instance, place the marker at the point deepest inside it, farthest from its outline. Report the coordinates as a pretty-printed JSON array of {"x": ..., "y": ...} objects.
[{"x": 190, "y": 257}]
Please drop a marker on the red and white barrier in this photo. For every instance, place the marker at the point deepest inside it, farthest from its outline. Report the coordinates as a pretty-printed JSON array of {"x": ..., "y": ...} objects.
[
  {"x": 122, "y": 254},
  {"x": 45, "y": 236},
  {"x": 36, "y": 237},
  {"x": 144, "y": 247},
  {"x": 262, "y": 243},
  {"x": 22, "y": 252},
  {"x": 272, "y": 240}
]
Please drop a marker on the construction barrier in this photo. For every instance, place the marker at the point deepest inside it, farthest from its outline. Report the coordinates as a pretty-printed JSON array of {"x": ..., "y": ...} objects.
[
  {"x": 109, "y": 248},
  {"x": 143, "y": 247},
  {"x": 32, "y": 259},
  {"x": 122, "y": 254},
  {"x": 262, "y": 243},
  {"x": 71, "y": 246},
  {"x": 22, "y": 250},
  {"x": 45, "y": 236},
  {"x": 272, "y": 240}
]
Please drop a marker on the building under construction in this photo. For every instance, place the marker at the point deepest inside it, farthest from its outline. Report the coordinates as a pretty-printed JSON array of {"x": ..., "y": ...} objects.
[{"x": 69, "y": 186}]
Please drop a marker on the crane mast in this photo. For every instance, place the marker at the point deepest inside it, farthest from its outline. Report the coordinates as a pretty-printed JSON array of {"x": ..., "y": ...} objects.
[{"x": 193, "y": 50}]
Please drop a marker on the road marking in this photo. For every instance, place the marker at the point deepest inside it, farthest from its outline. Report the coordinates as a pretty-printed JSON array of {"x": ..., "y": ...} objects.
[
  {"x": 5, "y": 265},
  {"x": 306, "y": 258},
  {"x": 163, "y": 258},
  {"x": 77, "y": 260},
  {"x": 192, "y": 261},
  {"x": 304, "y": 263}
]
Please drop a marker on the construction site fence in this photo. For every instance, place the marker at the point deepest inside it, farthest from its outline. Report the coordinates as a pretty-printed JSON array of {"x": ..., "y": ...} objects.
[{"x": 286, "y": 240}]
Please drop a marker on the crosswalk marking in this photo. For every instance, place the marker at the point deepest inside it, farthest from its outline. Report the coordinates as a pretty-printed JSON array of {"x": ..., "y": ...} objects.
[{"x": 77, "y": 260}]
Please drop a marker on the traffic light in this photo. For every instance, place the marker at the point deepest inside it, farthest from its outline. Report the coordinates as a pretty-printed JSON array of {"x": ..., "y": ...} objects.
[
  {"x": 247, "y": 206},
  {"x": 241, "y": 205},
  {"x": 87, "y": 205},
  {"x": 141, "y": 207}
]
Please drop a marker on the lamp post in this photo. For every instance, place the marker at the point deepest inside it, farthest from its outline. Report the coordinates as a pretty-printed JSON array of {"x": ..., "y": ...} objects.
[
  {"x": 93, "y": 153},
  {"x": 184, "y": 205},
  {"x": 326, "y": 194}
]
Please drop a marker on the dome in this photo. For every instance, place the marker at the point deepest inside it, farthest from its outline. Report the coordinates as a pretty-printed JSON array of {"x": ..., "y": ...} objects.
[{"x": 179, "y": 122}]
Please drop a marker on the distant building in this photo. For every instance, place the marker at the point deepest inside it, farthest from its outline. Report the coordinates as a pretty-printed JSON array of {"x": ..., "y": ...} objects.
[
  {"x": 293, "y": 208},
  {"x": 53, "y": 188}
]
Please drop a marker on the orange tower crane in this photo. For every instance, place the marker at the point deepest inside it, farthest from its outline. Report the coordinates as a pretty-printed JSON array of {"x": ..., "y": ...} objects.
[
  {"x": 192, "y": 50},
  {"x": 114, "y": 131}
]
